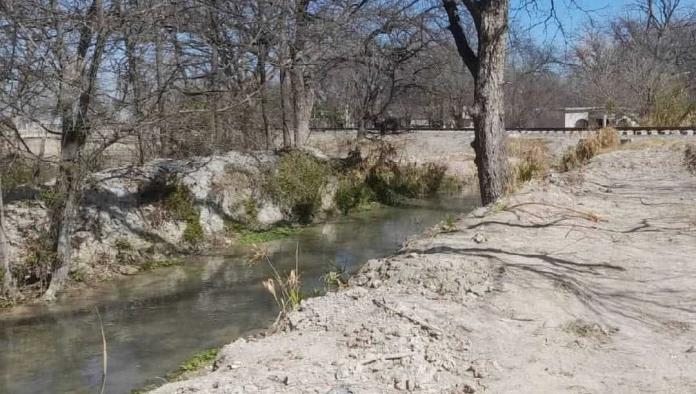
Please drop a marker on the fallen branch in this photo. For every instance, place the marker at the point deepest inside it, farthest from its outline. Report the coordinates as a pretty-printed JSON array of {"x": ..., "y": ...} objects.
[
  {"x": 389, "y": 357},
  {"x": 432, "y": 330},
  {"x": 584, "y": 215}
]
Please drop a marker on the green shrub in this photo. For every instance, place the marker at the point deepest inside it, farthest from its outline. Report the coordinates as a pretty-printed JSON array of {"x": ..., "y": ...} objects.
[
  {"x": 390, "y": 182},
  {"x": 180, "y": 204},
  {"x": 298, "y": 181},
  {"x": 15, "y": 172},
  {"x": 39, "y": 261},
  {"x": 352, "y": 192},
  {"x": 193, "y": 233}
]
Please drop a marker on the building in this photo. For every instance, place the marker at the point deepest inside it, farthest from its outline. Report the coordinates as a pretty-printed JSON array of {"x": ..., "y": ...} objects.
[{"x": 594, "y": 117}]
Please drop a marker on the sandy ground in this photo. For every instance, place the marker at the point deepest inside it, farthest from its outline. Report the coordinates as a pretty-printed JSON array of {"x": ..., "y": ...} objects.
[{"x": 581, "y": 283}]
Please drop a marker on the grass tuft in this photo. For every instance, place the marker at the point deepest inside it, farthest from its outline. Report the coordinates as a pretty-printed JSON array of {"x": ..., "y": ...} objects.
[
  {"x": 195, "y": 363},
  {"x": 529, "y": 160},
  {"x": 603, "y": 140}
]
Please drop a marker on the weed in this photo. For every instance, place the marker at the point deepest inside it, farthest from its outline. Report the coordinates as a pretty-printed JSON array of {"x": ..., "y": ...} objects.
[
  {"x": 250, "y": 237},
  {"x": 585, "y": 329},
  {"x": 336, "y": 277},
  {"x": 195, "y": 363},
  {"x": 122, "y": 244},
  {"x": 298, "y": 181},
  {"x": 352, "y": 192},
  {"x": 40, "y": 258},
  {"x": 15, "y": 171},
  {"x": 286, "y": 290},
  {"x": 180, "y": 204},
  {"x": 250, "y": 209},
  {"x": 569, "y": 160},
  {"x": 448, "y": 224},
  {"x": 51, "y": 197},
  {"x": 78, "y": 275},
  {"x": 193, "y": 233},
  {"x": 530, "y": 158},
  {"x": 601, "y": 141}
]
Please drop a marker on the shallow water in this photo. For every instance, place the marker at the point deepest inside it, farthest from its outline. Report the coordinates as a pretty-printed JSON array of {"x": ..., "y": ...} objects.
[{"x": 156, "y": 320}]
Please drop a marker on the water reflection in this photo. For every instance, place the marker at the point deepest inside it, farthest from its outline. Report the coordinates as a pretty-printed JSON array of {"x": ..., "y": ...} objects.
[{"x": 155, "y": 321}]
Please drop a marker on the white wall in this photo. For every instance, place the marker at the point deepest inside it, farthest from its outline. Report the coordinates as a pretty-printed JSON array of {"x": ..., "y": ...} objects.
[{"x": 571, "y": 118}]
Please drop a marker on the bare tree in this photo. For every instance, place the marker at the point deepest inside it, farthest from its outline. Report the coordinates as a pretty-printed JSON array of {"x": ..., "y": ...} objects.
[{"x": 487, "y": 66}]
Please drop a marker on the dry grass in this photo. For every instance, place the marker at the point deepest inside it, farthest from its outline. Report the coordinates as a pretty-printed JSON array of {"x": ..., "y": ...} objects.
[
  {"x": 529, "y": 159},
  {"x": 690, "y": 158},
  {"x": 285, "y": 289},
  {"x": 603, "y": 140}
]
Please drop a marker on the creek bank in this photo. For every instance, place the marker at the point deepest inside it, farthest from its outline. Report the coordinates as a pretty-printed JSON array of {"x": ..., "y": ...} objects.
[
  {"x": 582, "y": 282},
  {"x": 141, "y": 218}
]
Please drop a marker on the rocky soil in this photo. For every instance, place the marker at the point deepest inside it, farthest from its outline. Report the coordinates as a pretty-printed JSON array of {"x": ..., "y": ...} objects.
[{"x": 580, "y": 283}]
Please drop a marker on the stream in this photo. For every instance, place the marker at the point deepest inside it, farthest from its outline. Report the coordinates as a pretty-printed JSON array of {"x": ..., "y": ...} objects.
[{"x": 156, "y": 320}]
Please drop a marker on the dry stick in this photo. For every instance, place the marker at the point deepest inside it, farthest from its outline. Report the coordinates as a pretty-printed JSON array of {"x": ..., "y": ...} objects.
[
  {"x": 389, "y": 357},
  {"x": 104, "y": 353},
  {"x": 585, "y": 215},
  {"x": 432, "y": 330}
]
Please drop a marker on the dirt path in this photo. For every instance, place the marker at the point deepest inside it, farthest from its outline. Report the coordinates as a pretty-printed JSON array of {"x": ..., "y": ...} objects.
[{"x": 585, "y": 283}]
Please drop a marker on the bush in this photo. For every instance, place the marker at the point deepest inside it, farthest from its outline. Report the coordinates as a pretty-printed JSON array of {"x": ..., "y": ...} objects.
[
  {"x": 569, "y": 160},
  {"x": 352, "y": 192},
  {"x": 180, "y": 204},
  {"x": 530, "y": 157},
  {"x": 603, "y": 140},
  {"x": 390, "y": 182},
  {"x": 15, "y": 172},
  {"x": 298, "y": 181}
]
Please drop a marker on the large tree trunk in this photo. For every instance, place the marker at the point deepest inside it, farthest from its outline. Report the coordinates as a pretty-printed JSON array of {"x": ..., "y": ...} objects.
[
  {"x": 489, "y": 106},
  {"x": 303, "y": 103},
  {"x": 487, "y": 67},
  {"x": 8, "y": 282},
  {"x": 74, "y": 137}
]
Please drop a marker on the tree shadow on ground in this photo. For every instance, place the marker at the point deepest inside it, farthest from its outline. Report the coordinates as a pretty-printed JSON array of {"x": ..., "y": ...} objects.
[{"x": 601, "y": 287}]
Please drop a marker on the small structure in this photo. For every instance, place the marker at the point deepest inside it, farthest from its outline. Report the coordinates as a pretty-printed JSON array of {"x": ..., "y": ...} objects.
[{"x": 593, "y": 117}]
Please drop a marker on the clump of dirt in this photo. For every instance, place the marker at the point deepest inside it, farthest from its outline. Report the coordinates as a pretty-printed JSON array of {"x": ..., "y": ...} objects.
[{"x": 584, "y": 329}]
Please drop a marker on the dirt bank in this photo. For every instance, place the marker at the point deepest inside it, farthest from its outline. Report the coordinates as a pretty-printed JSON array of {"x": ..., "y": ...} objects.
[{"x": 580, "y": 283}]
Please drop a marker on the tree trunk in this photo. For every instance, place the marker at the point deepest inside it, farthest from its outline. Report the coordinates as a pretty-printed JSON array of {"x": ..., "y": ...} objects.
[
  {"x": 261, "y": 71},
  {"x": 74, "y": 137},
  {"x": 487, "y": 66},
  {"x": 283, "y": 109},
  {"x": 362, "y": 130},
  {"x": 303, "y": 103},
  {"x": 8, "y": 282},
  {"x": 489, "y": 105}
]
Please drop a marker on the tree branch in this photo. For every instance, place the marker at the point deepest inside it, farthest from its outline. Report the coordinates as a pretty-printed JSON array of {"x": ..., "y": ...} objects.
[{"x": 463, "y": 47}]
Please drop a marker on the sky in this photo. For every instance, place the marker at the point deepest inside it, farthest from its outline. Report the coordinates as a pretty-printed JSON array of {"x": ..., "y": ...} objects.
[{"x": 573, "y": 15}]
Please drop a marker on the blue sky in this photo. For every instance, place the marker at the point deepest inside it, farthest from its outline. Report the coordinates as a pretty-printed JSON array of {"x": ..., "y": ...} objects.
[{"x": 572, "y": 17}]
